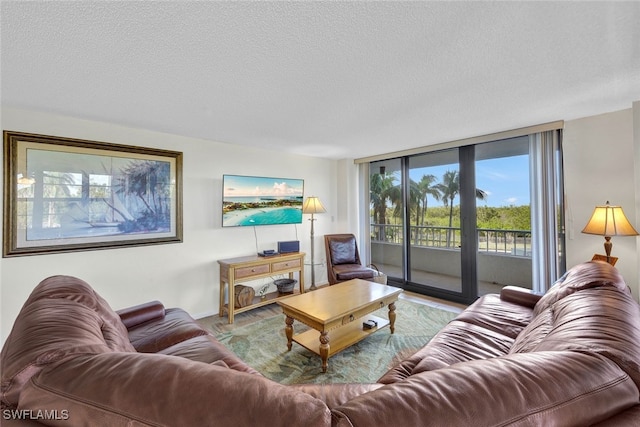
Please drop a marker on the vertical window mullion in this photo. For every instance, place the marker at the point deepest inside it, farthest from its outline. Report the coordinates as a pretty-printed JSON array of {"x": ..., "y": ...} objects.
[
  {"x": 406, "y": 218},
  {"x": 469, "y": 247}
]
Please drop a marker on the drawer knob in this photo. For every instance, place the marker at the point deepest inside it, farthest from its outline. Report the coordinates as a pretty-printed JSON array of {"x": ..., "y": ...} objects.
[
  {"x": 253, "y": 270},
  {"x": 351, "y": 318}
]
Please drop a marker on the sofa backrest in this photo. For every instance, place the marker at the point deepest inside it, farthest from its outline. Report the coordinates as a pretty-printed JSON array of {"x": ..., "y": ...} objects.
[
  {"x": 592, "y": 274},
  {"x": 557, "y": 388},
  {"x": 136, "y": 389},
  {"x": 590, "y": 310},
  {"x": 62, "y": 316}
]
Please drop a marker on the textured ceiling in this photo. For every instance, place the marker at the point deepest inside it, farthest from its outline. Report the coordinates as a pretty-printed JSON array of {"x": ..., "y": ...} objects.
[{"x": 326, "y": 79}]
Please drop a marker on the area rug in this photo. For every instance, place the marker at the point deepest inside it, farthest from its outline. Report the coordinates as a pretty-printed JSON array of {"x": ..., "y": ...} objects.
[{"x": 263, "y": 346}]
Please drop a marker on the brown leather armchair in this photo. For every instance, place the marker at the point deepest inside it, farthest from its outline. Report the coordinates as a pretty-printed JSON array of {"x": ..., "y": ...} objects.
[{"x": 343, "y": 259}]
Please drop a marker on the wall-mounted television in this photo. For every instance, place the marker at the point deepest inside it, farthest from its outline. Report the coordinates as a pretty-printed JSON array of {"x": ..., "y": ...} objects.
[{"x": 259, "y": 200}]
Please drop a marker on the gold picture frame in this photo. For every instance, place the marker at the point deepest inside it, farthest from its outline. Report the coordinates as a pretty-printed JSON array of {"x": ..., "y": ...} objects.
[{"x": 65, "y": 195}]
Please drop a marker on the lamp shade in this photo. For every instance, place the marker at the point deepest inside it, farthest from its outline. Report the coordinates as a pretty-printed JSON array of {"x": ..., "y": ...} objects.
[
  {"x": 609, "y": 221},
  {"x": 313, "y": 206}
]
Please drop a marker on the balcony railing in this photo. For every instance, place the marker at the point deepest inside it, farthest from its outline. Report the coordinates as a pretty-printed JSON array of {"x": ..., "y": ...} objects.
[{"x": 507, "y": 242}]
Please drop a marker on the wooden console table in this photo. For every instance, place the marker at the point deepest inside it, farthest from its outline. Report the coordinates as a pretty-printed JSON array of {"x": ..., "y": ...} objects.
[{"x": 244, "y": 269}]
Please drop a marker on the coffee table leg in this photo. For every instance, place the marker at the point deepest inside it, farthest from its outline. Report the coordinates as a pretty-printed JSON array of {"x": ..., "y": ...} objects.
[
  {"x": 392, "y": 316},
  {"x": 288, "y": 330},
  {"x": 324, "y": 349}
]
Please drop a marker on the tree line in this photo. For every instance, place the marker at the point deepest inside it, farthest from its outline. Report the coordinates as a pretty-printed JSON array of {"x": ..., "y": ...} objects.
[{"x": 386, "y": 202}]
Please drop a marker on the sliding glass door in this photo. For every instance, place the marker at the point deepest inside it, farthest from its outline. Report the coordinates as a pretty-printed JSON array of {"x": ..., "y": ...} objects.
[
  {"x": 434, "y": 217},
  {"x": 457, "y": 223},
  {"x": 387, "y": 217},
  {"x": 503, "y": 216}
]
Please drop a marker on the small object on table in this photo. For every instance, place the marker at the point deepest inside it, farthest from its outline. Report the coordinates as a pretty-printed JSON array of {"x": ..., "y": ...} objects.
[
  {"x": 369, "y": 324},
  {"x": 285, "y": 286},
  {"x": 243, "y": 295}
]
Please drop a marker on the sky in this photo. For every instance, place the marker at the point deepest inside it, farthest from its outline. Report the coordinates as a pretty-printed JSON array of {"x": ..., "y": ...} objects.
[
  {"x": 252, "y": 186},
  {"x": 505, "y": 180}
]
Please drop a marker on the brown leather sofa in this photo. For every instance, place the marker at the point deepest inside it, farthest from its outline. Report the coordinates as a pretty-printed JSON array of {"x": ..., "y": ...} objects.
[
  {"x": 569, "y": 358},
  {"x": 71, "y": 355}
]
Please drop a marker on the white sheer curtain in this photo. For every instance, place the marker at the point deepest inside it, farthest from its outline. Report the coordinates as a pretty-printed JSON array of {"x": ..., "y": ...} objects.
[
  {"x": 364, "y": 228},
  {"x": 546, "y": 198}
]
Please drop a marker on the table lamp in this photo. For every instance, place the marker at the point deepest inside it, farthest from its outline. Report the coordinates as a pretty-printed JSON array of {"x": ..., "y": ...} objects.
[{"x": 609, "y": 221}]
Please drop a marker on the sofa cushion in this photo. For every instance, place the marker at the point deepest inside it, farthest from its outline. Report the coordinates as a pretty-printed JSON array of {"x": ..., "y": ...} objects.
[
  {"x": 534, "y": 333},
  {"x": 457, "y": 342},
  {"x": 62, "y": 317},
  {"x": 113, "y": 389},
  {"x": 343, "y": 250},
  {"x": 493, "y": 313},
  {"x": 485, "y": 329},
  {"x": 590, "y": 309},
  {"x": 162, "y": 332},
  {"x": 604, "y": 321},
  {"x": 583, "y": 276},
  {"x": 462, "y": 342},
  {"x": 352, "y": 271},
  {"x": 208, "y": 349}
]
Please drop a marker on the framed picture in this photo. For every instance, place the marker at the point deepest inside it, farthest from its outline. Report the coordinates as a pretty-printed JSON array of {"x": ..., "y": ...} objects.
[{"x": 63, "y": 195}]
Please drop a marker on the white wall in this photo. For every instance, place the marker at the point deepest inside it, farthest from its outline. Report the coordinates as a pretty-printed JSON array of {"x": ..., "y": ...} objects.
[
  {"x": 601, "y": 161},
  {"x": 183, "y": 274},
  {"x": 599, "y": 165}
]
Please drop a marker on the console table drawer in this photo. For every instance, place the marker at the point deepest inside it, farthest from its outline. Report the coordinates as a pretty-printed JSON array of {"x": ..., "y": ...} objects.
[
  {"x": 251, "y": 271},
  {"x": 286, "y": 265}
]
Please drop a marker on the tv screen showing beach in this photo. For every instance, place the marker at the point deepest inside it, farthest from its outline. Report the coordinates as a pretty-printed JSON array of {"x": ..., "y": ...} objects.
[{"x": 257, "y": 200}]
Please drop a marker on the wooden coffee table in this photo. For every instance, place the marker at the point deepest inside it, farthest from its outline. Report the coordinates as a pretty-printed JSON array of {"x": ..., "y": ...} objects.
[{"x": 334, "y": 312}]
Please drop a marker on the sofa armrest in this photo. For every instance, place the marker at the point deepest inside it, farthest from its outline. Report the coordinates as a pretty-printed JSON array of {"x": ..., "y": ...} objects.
[
  {"x": 520, "y": 296},
  {"x": 138, "y": 314}
]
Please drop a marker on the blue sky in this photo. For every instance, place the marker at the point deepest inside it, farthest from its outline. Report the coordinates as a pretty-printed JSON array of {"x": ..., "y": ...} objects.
[
  {"x": 253, "y": 186},
  {"x": 505, "y": 180}
]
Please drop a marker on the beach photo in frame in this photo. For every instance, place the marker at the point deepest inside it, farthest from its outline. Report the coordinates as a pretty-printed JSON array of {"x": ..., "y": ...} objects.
[
  {"x": 261, "y": 200},
  {"x": 64, "y": 195}
]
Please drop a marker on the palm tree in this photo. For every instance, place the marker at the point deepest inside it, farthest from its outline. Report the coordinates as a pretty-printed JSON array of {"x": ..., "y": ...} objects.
[
  {"x": 382, "y": 190},
  {"x": 450, "y": 188},
  {"x": 425, "y": 189},
  {"x": 146, "y": 181}
]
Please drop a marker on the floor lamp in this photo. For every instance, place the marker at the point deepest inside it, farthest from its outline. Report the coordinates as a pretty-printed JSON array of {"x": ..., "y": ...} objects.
[{"x": 312, "y": 206}]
